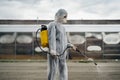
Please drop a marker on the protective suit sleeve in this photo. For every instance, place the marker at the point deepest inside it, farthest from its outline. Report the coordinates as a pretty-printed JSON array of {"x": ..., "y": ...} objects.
[
  {"x": 69, "y": 44},
  {"x": 52, "y": 38},
  {"x": 68, "y": 39}
]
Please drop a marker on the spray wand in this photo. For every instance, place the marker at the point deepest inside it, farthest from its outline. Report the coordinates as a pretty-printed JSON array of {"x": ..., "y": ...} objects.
[{"x": 89, "y": 59}]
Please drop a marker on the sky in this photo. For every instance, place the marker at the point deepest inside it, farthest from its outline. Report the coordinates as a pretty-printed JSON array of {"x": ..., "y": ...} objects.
[{"x": 46, "y": 9}]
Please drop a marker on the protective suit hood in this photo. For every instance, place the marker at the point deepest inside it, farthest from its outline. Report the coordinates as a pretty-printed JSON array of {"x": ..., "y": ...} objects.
[{"x": 61, "y": 16}]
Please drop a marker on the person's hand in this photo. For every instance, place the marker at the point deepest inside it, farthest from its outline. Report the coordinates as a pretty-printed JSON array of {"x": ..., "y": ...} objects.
[
  {"x": 54, "y": 53},
  {"x": 74, "y": 47},
  {"x": 71, "y": 46},
  {"x": 54, "y": 56}
]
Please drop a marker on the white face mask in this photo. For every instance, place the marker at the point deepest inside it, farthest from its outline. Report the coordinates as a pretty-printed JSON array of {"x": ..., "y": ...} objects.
[
  {"x": 65, "y": 20},
  {"x": 61, "y": 19}
]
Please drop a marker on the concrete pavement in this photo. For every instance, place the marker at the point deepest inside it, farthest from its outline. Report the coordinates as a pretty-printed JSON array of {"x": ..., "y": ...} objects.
[{"x": 77, "y": 71}]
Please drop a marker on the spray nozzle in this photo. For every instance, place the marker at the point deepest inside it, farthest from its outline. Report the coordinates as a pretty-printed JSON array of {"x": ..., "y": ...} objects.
[{"x": 90, "y": 59}]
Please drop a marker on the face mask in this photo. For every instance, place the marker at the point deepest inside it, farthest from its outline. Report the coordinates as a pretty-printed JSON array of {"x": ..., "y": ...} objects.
[{"x": 64, "y": 20}]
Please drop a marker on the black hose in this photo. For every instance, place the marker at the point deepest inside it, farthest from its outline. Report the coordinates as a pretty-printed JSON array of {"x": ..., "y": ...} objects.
[
  {"x": 63, "y": 52},
  {"x": 39, "y": 44}
]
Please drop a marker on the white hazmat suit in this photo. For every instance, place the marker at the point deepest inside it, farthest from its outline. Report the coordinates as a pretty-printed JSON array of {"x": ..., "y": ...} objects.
[{"x": 57, "y": 44}]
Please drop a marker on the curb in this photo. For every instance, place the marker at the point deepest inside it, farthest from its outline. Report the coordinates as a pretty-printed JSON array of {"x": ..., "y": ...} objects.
[{"x": 80, "y": 61}]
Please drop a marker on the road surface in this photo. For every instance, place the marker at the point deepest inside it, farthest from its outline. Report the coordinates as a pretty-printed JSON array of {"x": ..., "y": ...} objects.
[{"x": 77, "y": 71}]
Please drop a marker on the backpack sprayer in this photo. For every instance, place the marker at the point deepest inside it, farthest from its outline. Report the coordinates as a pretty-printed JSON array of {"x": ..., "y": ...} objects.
[{"x": 43, "y": 42}]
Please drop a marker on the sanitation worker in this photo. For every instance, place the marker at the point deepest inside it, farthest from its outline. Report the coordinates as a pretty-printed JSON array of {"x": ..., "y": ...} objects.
[{"x": 57, "y": 44}]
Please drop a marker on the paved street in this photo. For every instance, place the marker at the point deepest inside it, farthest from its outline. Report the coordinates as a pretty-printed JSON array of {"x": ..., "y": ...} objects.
[{"x": 77, "y": 71}]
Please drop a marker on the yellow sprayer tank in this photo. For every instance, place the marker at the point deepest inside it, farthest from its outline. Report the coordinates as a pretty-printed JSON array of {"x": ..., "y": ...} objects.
[{"x": 44, "y": 36}]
